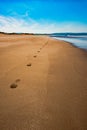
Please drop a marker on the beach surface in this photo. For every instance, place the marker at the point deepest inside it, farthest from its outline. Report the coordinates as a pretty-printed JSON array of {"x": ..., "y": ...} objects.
[{"x": 43, "y": 84}]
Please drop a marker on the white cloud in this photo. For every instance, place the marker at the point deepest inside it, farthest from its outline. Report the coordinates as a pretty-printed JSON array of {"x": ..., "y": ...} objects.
[{"x": 11, "y": 24}]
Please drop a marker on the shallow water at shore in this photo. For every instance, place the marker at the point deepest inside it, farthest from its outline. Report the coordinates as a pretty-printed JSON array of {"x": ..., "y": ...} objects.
[{"x": 80, "y": 42}]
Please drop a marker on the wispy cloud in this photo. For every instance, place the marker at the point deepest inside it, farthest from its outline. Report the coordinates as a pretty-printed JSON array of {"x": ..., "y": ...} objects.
[{"x": 11, "y": 24}]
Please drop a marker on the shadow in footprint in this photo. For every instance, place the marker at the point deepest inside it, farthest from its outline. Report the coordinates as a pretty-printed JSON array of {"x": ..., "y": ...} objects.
[
  {"x": 29, "y": 64},
  {"x": 17, "y": 80},
  {"x": 14, "y": 85},
  {"x": 35, "y": 56},
  {"x": 38, "y": 51}
]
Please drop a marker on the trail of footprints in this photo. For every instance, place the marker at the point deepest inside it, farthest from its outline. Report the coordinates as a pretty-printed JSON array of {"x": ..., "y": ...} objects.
[{"x": 15, "y": 84}]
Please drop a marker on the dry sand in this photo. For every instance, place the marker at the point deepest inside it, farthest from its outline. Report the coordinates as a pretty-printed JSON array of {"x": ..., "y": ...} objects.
[{"x": 43, "y": 84}]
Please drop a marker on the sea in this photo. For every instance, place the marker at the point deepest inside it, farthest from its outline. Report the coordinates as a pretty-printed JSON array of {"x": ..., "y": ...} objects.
[{"x": 78, "y": 40}]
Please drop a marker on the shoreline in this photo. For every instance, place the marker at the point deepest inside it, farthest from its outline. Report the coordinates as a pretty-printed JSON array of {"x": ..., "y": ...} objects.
[{"x": 72, "y": 43}]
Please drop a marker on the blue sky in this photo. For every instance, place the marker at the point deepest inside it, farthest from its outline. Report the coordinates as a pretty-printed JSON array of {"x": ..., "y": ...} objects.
[{"x": 43, "y": 16}]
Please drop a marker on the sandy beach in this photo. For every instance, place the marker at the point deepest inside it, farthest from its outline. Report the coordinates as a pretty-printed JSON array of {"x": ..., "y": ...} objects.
[{"x": 43, "y": 84}]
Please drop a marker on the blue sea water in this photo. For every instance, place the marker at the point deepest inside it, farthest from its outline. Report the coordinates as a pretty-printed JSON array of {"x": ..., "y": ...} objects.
[{"x": 79, "y": 41}]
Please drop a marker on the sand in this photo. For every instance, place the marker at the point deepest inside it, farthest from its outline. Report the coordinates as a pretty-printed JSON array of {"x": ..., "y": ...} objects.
[{"x": 43, "y": 84}]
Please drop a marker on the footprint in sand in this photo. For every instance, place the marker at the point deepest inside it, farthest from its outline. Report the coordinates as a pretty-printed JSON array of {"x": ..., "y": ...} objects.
[
  {"x": 14, "y": 85},
  {"x": 17, "y": 80},
  {"x": 29, "y": 64},
  {"x": 38, "y": 51},
  {"x": 35, "y": 56}
]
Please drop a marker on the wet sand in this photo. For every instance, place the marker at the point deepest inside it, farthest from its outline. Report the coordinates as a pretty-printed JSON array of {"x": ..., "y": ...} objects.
[{"x": 43, "y": 84}]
